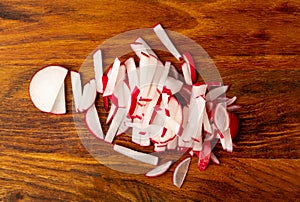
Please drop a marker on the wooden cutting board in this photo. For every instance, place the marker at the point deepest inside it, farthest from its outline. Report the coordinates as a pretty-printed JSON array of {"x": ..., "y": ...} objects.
[{"x": 256, "y": 47}]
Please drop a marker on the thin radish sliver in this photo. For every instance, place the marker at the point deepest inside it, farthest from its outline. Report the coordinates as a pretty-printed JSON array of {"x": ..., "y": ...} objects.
[
  {"x": 159, "y": 170},
  {"x": 164, "y": 38},
  {"x": 221, "y": 117},
  {"x": 139, "y": 156},
  {"x": 180, "y": 172},
  {"x": 186, "y": 73},
  {"x": 112, "y": 78},
  {"x": 132, "y": 73},
  {"x": 76, "y": 88},
  {"x": 115, "y": 124},
  {"x": 59, "y": 106},
  {"x": 216, "y": 92},
  {"x": 88, "y": 96},
  {"x": 98, "y": 69},
  {"x": 93, "y": 122}
]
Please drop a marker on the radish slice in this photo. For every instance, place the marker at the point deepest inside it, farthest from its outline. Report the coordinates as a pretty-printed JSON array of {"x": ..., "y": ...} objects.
[
  {"x": 226, "y": 141},
  {"x": 46, "y": 89},
  {"x": 173, "y": 72},
  {"x": 93, "y": 123},
  {"x": 159, "y": 170},
  {"x": 221, "y": 118},
  {"x": 139, "y": 156},
  {"x": 214, "y": 159},
  {"x": 140, "y": 46},
  {"x": 112, "y": 111},
  {"x": 231, "y": 101},
  {"x": 132, "y": 73},
  {"x": 198, "y": 90},
  {"x": 192, "y": 68},
  {"x": 173, "y": 84},
  {"x": 216, "y": 92},
  {"x": 206, "y": 123},
  {"x": 115, "y": 124},
  {"x": 204, "y": 156},
  {"x": 59, "y": 106},
  {"x": 112, "y": 78},
  {"x": 186, "y": 73},
  {"x": 76, "y": 88},
  {"x": 180, "y": 172},
  {"x": 233, "y": 108},
  {"x": 163, "y": 37},
  {"x": 233, "y": 125},
  {"x": 88, "y": 96},
  {"x": 98, "y": 69}
]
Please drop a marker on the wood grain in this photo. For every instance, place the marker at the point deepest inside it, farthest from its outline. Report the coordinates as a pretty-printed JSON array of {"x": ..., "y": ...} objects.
[{"x": 256, "y": 47}]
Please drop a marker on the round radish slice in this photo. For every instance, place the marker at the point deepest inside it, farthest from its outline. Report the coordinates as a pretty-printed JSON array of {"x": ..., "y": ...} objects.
[
  {"x": 47, "y": 91},
  {"x": 159, "y": 170},
  {"x": 221, "y": 118}
]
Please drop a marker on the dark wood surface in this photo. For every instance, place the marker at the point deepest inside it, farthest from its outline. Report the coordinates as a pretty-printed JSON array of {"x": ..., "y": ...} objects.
[{"x": 256, "y": 47}]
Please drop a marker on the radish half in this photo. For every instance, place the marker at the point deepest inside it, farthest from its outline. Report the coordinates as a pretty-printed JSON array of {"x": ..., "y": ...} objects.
[
  {"x": 93, "y": 123},
  {"x": 180, "y": 172},
  {"x": 47, "y": 91}
]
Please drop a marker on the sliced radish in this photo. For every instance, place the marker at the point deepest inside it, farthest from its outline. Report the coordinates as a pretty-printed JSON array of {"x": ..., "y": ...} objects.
[
  {"x": 180, "y": 172},
  {"x": 132, "y": 73},
  {"x": 216, "y": 92},
  {"x": 76, "y": 88},
  {"x": 234, "y": 125},
  {"x": 221, "y": 118},
  {"x": 159, "y": 170},
  {"x": 46, "y": 89},
  {"x": 164, "y": 38},
  {"x": 115, "y": 124},
  {"x": 204, "y": 156},
  {"x": 172, "y": 144},
  {"x": 140, "y": 46},
  {"x": 214, "y": 159},
  {"x": 233, "y": 108},
  {"x": 186, "y": 73},
  {"x": 139, "y": 156},
  {"x": 173, "y": 84},
  {"x": 173, "y": 72},
  {"x": 206, "y": 123},
  {"x": 198, "y": 90},
  {"x": 226, "y": 141},
  {"x": 98, "y": 69},
  {"x": 112, "y": 78},
  {"x": 112, "y": 111},
  {"x": 88, "y": 96},
  {"x": 192, "y": 68},
  {"x": 231, "y": 101},
  {"x": 93, "y": 123}
]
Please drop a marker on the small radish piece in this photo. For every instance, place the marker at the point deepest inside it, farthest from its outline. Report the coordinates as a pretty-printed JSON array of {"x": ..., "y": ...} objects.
[
  {"x": 93, "y": 123},
  {"x": 226, "y": 141},
  {"x": 198, "y": 90},
  {"x": 112, "y": 111},
  {"x": 88, "y": 96},
  {"x": 98, "y": 69},
  {"x": 112, "y": 78},
  {"x": 180, "y": 172},
  {"x": 46, "y": 87},
  {"x": 233, "y": 108},
  {"x": 192, "y": 68},
  {"x": 214, "y": 159},
  {"x": 132, "y": 73},
  {"x": 221, "y": 118},
  {"x": 204, "y": 156},
  {"x": 231, "y": 101},
  {"x": 186, "y": 73},
  {"x": 115, "y": 124},
  {"x": 206, "y": 123},
  {"x": 140, "y": 46},
  {"x": 216, "y": 92},
  {"x": 164, "y": 38},
  {"x": 159, "y": 170},
  {"x": 139, "y": 156},
  {"x": 233, "y": 125},
  {"x": 173, "y": 84},
  {"x": 76, "y": 88},
  {"x": 149, "y": 50},
  {"x": 173, "y": 72},
  {"x": 172, "y": 144}
]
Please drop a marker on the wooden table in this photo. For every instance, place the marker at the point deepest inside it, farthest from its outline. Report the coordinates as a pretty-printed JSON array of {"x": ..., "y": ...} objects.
[{"x": 256, "y": 47}]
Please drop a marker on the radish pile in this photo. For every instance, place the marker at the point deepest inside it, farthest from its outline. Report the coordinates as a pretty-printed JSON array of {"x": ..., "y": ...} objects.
[{"x": 163, "y": 106}]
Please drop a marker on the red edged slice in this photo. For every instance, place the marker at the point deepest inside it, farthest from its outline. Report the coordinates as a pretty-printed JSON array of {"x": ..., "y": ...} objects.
[
  {"x": 180, "y": 172},
  {"x": 204, "y": 156},
  {"x": 112, "y": 78},
  {"x": 159, "y": 170},
  {"x": 88, "y": 96},
  {"x": 132, "y": 73},
  {"x": 214, "y": 159},
  {"x": 186, "y": 73},
  {"x": 164, "y": 38},
  {"x": 173, "y": 84},
  {"x": 192, "y": 68},
  {"x": 233, "y": 125},
  {"x": 93, "y": 123},
  {"x": 216, "y": 92},
  {"x": 46, "y": 87},
  {"x": 139, "y": 156},
  {"x": 115, "y": 124}
]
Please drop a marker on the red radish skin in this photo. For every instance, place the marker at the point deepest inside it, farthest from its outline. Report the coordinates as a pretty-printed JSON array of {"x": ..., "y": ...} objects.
[
  {"x": 234, "y": 125},
  {"x": 188, "y": 58}
]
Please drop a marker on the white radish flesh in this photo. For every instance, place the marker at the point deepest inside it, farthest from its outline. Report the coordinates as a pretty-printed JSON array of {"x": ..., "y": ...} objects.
[
  {"x": 93, "y": 122},
  {"x": 98, "y": 69},
  {"x": 221, "y": 118},
  {"x": 88, "y": 96},
  {"x": 45, "y": 87},
  {"x": 76, "y": 88},
  {"x": 216, "y": 92},
  {"x": 59, "y": 106},
  {"x": 115, "y": 124},
  {"x": 180, "y": 172},
  {"x": 159, "y": 170},
  {"x": 164, "y": 38},
  {"x": 139, "y": 156},
  {"x": 112, "y": 78}
]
